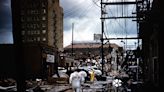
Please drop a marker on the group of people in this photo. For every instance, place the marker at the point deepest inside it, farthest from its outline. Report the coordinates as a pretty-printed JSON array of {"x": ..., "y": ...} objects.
[{"x": 77, "y": 78}]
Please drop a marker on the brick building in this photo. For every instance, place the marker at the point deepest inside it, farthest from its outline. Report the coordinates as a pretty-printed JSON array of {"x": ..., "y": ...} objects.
[
  {"x": 37, "y": 33},
  {"x": 90, "y": 49}
]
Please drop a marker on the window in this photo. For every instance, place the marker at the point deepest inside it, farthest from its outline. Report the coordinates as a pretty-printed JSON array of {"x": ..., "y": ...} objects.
[
  {"x": 43, "y": 25},
  {"x": 43, "y": 18},
  {"x": 55, "y": 22},
  {"x": 43, "y": 4},
  {"x": 36, "y": 12},
  {"x": 43, "y": 31},
  {"x": 43, "y": 11},
  {"x": 54, "y": 14},
  {"x": 38, "y": 32},
  {"x": 37, "y": 25},
  {"x": 22, "y": 19},
  {"x": 36, "y": 18},
  {"x": 34, "y": 38},
  {"x": 44, "y": 39},
  {"x": 38, "y": 39},
  {"x": 23, "y": 32},
  {"x": 32, "y": 12}
]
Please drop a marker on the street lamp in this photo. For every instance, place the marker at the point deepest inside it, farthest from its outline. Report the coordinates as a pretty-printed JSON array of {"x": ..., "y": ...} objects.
[
  {"x": 123, "y": 50},
  {"x": 123, "y": 43}
]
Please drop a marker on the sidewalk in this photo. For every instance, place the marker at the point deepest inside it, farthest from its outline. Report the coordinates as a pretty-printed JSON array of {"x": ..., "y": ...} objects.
[{"x": 60, "y": 88}]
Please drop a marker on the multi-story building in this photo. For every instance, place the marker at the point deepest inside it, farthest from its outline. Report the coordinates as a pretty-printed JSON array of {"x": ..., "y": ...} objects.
[
  {"x": 37, "y": 33},
  {"x": 41, "y": 21}
]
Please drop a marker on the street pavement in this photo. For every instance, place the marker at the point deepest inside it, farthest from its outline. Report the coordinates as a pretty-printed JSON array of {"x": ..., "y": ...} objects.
[{"x": 61, "y": 88}]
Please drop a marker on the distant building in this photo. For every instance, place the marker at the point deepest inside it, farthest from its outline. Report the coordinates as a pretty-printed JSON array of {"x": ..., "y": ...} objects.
[{"x": 90, "y": 49}]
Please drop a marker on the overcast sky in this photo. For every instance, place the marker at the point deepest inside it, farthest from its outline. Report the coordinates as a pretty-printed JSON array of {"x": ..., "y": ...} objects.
[
  {"x": 85, "y": 16},
  {"x": 5, "y": 22}
]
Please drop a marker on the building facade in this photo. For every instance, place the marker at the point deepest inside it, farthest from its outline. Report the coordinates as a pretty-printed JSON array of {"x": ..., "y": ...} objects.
[
  {"x": 90, "y": 49},
  {"x": 37, "y": 34},
  {"x": 41, "y": 21},
  {"x": 150, "y": 30}
]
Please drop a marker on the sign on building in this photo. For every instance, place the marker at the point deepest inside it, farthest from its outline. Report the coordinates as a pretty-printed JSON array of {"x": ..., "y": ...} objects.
[
  {"x": 97, "y": 36},
  {"x": 50, "y": 58}
]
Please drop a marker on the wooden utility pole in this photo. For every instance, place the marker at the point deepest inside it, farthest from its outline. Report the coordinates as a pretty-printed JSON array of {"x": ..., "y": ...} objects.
[
  {"x": 72, "y": 37},
  {"x": 102, "y": 40}
]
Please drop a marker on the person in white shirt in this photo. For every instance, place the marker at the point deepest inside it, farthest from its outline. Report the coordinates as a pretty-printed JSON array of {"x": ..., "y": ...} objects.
[{"x": 76, "y": 79}]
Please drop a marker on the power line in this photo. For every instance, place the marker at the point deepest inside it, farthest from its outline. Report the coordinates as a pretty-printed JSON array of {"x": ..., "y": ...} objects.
[
  {"x": 96, "y": 3},
  {"x": 117, "y": 21},
  {"x": 76, "y": 10}
]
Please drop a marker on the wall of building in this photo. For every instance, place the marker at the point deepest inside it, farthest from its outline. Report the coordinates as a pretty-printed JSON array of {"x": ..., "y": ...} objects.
[
  {"x": 55, "y": 24},
  {"x": 36, "y": 23},
  {"x": 7, "y": 64},
  {"x": 51, "y": 23},
  {"x": 89, "y": 50},
  {"x": 59, "y": 25},
  {"x": 149, "y": 32}
]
